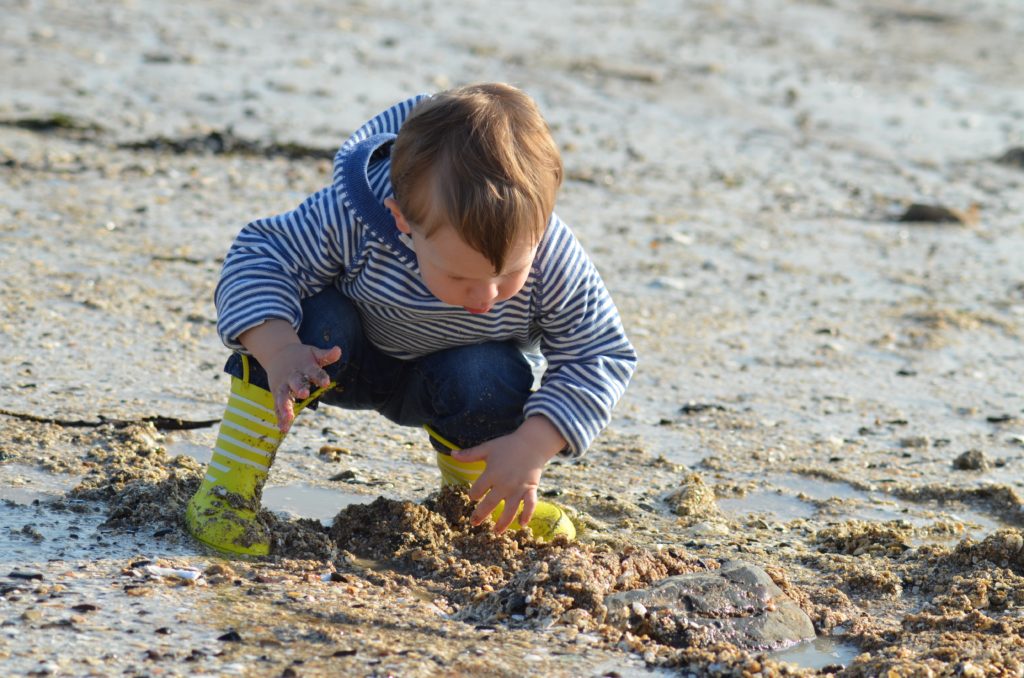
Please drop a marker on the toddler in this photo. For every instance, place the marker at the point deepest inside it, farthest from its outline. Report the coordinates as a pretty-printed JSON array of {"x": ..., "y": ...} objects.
[{"x": 415, "y": 285}]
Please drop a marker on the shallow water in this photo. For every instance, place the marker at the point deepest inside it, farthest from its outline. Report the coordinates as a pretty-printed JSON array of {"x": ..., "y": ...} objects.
[
  {"x": 308, "y": 501},
  {"x": 24, "y": 484},
  {"x": 778, "y": 507},
  {"x": 818, "y": 653},
  {"x": 35, "y": 534},
  {"x": 800, "y": 498},
  {"x": 201, "y": 453},
  {"x": 293, "y": 500}
]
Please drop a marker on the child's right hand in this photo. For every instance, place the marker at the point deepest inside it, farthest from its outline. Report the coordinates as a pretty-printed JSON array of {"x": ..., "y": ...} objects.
[
  {"x": 291, "y": 366},
  {"x": 290, "y": 373}
]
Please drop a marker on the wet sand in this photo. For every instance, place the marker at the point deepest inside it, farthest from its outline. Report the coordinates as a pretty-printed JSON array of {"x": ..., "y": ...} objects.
[{"x": 827, "y": 390}]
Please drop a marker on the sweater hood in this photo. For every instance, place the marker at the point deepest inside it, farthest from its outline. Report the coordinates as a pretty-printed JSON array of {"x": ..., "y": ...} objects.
[{"x": 362, "y": 175}]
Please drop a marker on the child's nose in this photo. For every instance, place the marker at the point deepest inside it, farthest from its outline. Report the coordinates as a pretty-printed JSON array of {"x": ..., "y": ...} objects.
[{"x": 482, "y": 295}]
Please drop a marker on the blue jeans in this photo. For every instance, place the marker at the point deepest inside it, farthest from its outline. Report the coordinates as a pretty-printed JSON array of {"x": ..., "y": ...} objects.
[{"x": 468, "y": 394}]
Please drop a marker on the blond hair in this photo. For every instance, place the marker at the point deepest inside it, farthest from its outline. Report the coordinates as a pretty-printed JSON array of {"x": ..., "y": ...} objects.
[{"x": 480, "y": 158}]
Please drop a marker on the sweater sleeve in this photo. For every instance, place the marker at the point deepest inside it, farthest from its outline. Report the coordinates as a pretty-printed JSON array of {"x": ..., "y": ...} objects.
[
  {"x": 590, "y": 359},
  {"x": 276, "y": 262}
]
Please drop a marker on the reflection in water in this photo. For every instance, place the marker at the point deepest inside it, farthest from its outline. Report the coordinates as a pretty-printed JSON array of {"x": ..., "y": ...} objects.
[
  {"x": 307, "y": 501},
  {"x": 780, "y": 507},
  {"x": 201, "y": 453},
  {"x": 818, "y": 653},
  {"x": 23, "y": 484},
  {"x": 799, "y": 497}
]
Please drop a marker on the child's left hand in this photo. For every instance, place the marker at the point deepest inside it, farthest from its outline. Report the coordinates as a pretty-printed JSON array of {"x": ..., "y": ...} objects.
[{"x": 514, "y": 466}]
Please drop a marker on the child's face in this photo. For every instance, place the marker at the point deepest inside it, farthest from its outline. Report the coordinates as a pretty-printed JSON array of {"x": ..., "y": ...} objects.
[{"x": 458, "y": 275}]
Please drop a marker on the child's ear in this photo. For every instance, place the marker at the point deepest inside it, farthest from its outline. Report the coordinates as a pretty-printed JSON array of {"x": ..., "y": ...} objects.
[{"x": 400, "y": 221}]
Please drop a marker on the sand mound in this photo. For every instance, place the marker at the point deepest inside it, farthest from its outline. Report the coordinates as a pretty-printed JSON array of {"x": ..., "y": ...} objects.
[{"x": 490, "y": 578}]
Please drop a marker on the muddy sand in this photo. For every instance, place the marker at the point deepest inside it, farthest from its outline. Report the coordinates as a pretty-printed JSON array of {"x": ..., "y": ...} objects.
[{"x": 809, "y": 213}]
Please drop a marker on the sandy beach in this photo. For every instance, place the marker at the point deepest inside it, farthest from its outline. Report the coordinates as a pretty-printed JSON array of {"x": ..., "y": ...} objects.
[{"x": 809, "y": 212}]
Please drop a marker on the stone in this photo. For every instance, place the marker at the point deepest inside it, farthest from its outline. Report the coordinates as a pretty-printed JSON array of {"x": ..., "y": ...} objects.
[
  {"x": 936, "y": 214},
  {"x": 1014, "y": 157},
  {"x": 971, "y": 460},
  {"x": 738, "y": 603},
  {"x": 693, "y": 501}
]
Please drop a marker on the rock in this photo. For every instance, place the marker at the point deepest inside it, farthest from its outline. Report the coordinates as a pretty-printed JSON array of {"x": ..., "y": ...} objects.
[
  {"x": 916, "y": 442},
  {"x": 972, "y": 460},
  {"x": 350, "y": 476},
  {"x": 693, "y": 499},
  {"x": 1000, "y": 418},
  {"x": 24, "y": 574},
  {"x": 1013, "y": 157},
  {"x": 221, "y": 569},
  {"x": 31, "y": 615},
  {"x": 32, "y": 533},
  {"x": 738, "y": 603},
  {"x": 696, "y": 408},
  {"x": 935, "y": 214}
]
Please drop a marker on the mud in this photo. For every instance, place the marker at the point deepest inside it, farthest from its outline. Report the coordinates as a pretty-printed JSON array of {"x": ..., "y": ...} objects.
[{"x": 826, "y": 391}]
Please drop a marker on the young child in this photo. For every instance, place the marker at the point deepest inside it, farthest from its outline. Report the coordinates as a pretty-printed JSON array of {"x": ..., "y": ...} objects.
[{"x": 412, "y": 286}]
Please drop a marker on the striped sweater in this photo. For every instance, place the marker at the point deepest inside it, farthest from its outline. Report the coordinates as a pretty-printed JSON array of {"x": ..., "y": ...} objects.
[{"x": 344, "y": 236}]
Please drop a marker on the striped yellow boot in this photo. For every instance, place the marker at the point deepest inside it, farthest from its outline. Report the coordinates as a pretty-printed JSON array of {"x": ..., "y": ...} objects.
[
  {"x": 548, "y": 521},
  {"x": 222, "y": 514}
]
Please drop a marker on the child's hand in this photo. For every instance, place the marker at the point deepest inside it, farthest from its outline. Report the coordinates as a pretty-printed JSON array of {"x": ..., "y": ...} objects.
[
  {"x": 514, "y": 466},
  {"x": 291, "y": 371},
  {"x": 291, "y": 366}
]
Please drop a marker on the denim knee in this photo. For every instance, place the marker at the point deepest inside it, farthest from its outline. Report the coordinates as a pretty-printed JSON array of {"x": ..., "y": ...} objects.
[
  {"x": 494, "y": 371},
  {"x": 476, "y": 392}
]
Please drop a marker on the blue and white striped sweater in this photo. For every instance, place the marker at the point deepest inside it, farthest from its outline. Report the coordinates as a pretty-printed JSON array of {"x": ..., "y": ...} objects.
[{"x": 344, "y": 236}]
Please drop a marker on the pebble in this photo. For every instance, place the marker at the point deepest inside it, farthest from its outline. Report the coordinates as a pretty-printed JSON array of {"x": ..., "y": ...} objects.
[
  {"x": 24, "y": 574},
  {"x": 186, "y": 573},
  {"x": 31, "y": 615},
  {"x": 936, "y": 214},
  {"x": 1013, "y": 157},
  {"x": 972, "y": 460}
]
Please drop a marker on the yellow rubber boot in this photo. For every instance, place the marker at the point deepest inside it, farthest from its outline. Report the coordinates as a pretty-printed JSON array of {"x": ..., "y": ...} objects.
[
  {"x": 548, "y": 521},
  {"x": 222, "y": 514}
]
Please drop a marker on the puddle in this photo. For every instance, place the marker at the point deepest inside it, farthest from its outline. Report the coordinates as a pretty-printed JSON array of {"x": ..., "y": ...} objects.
[
  {"x": 115, "y": 626},
  {"x": 951, "y": 522},
  {"x": 24, "y": 484},
  {"x": 298, "y": 500},
  {"x": 39, "y": 534},
  {"x": 86, "y": 606},
  {"x": 201, "y": 453},
  {"x": 818, "y": 653},
  {"x": 666, "y": 442},
  {"x": 780, "y": 507},
  {"x": 815, "y": 488},
  {"x": 306, "y": 501}
]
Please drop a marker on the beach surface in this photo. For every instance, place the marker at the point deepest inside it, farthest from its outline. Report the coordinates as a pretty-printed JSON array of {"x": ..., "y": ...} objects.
[{"x": 810, "y": 214}]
